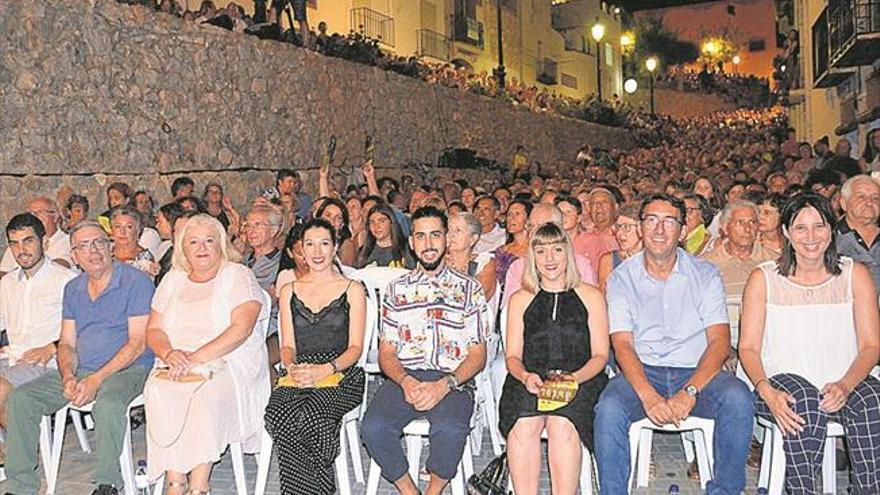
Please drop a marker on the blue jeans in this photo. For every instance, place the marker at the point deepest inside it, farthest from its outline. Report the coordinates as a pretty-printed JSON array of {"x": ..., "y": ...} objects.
[{"x": 725, "y": 399}]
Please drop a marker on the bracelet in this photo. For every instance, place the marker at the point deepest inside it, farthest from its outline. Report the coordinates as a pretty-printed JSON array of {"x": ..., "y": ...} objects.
[
  {"x": 333, "y": 365},
  {"x": 759, "y": 383}
]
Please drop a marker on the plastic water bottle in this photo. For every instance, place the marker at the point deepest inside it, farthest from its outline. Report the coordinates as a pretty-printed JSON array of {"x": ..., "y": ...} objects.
[
  {"x": 673, "y": 489},
  {"x": 141, "y": 481}
]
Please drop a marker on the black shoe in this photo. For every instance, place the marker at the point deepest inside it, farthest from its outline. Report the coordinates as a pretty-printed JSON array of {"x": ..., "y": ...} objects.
[{"x": 106, "y": 490}]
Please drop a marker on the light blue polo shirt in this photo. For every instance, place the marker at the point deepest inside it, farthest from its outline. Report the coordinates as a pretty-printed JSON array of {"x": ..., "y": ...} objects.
[
  {"x": 668, "y": 318},
  {"x": 102, "y": 325}
]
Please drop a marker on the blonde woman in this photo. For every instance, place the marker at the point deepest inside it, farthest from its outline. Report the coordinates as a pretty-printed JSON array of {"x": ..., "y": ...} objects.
[
  {"x": 211, "y": 381},
  {"x": 555, "y": 322}
]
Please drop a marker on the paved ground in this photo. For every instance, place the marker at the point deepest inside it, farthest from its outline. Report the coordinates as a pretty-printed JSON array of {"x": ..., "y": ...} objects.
[{"x": 670, "y": 467}]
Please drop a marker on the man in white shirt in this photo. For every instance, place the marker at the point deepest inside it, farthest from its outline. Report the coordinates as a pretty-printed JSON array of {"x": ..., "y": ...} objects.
[
  {"x": 492, "y": 237},
  {"x": 30, "y": 306},
  {"x": 58, "y": 247}
]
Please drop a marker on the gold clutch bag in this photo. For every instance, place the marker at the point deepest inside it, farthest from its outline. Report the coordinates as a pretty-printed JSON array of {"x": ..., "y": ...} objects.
[
  {"x": 556, "y": 392},
  {"x": 326, "y": 382}
]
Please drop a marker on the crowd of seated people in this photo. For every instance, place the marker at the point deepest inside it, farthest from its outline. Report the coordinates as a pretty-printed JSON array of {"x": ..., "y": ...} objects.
[
  {"x": 628, "y": 263},
  {"x": 745, "y": 90}
]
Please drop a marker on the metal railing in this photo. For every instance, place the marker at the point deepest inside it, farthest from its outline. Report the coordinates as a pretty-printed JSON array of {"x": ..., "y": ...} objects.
[
  {"x": 433, "y": 44},
  {"x": 372, "y": 24},
  {"x": 469, "y": 31},
  {"x": 850, "y": 18}
]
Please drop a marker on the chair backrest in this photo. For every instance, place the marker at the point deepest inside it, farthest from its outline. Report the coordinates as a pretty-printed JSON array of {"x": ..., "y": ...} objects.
[
  {"x": 734, "y": 307},
  {"x": 371, "y": 331},
  {"x": 262, "y": 325},
  {"x": 494, "y": 306},
  {"x": 377, "y": 278},
  {"x": 503, "y": 328}
]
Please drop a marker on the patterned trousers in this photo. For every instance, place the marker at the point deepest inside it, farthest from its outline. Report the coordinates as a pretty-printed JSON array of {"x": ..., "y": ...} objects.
[{"x": 860, "y": 417}]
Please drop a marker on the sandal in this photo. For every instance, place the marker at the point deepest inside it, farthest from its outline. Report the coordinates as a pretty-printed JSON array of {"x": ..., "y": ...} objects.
[
  {"x": 175, "y": 484},
  {"x": 193, "y": 491}
]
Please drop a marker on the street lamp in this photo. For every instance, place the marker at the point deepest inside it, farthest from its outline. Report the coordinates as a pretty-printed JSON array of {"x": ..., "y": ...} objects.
[
  {"x": 499, "y": 71},
  {"x": 651, "y": 65},
  {"x": 598, "y": 32},
  {"x": 630, "y": 86},
  {"x": 736, "y": 62}
]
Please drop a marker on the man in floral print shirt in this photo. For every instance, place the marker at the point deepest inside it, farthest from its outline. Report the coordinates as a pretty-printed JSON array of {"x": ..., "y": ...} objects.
[{"x": 435, "y": 322}]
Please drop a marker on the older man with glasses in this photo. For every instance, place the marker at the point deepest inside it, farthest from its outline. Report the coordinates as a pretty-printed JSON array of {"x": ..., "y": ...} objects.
[
  {"x": 101, "y": 358},
  {"x": 670, "y": 333},
  {"x": 58, "y": 248}
]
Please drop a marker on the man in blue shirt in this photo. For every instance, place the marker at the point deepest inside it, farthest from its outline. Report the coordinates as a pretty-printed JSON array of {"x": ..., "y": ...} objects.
[
  {"x": 670, "y": 332},
  {"x": 101, "y": 358}
]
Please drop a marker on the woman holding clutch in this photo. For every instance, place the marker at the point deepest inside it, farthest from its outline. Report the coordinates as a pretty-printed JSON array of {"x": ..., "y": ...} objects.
[
  {"x": 211, "y": 381},
  {"x": 323, "y": 315},
  {"x": 557, "y": 329}
]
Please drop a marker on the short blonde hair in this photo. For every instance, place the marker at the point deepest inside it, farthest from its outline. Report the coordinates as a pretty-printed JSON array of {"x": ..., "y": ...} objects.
[
  {"x": 550, "y": 233},
  {"x": 227, "y": 252}
]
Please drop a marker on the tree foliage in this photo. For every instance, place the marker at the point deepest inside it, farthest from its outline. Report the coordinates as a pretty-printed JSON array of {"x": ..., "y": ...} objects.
[{"x": 652, "y": 38}]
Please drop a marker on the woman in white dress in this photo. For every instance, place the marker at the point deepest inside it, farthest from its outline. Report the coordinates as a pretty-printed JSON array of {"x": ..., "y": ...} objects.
[
  {"x": 809, "y": 337},
  {"x": 211, "y": 381}
]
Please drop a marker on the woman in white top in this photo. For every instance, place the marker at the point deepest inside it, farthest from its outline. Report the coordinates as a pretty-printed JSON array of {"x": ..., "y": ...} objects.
[
  {"x": 211, "y": 382},
  {"x": 810, "y": 334}
]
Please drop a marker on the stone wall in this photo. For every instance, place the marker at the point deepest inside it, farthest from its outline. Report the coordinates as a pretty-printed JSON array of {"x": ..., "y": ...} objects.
[{"x": 92, "y": 91}]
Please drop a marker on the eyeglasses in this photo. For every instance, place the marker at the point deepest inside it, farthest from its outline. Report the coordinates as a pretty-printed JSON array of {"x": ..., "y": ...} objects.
[
  {"x": 626, "y": 228},
  {"x": 652, "y": 221},
  {"x": 98, "y": 244}
]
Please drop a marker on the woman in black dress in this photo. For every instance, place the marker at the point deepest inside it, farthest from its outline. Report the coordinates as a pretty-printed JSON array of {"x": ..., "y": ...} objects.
[
  {"x": 555, "y": 322},
  {"x": 322, "y": 333}
]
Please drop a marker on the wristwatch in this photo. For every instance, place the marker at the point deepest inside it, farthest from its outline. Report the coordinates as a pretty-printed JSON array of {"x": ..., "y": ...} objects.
[
  {"x": 452, "y": 382},
  {"x": 692, "y": 390}
]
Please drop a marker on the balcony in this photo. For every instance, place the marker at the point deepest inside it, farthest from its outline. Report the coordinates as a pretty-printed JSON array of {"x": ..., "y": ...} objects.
[
  {"x": 547, "y": 70},
  {"x": 853, "y": 32},
  {"x": 373, "y": 25},
  {"x": 433, "y": 44},
  {"x": 469, "y": 31},
  {"x": 825, "y": 75}
]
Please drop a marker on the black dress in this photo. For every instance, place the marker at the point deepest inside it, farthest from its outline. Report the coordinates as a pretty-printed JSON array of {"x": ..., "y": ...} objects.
[
  {"x": 305, "y": 423},
  {"x": 563, "y": 344}
]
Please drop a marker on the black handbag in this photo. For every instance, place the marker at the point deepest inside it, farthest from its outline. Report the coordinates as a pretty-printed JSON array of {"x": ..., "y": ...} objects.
[{"x": 493, "y": 479}]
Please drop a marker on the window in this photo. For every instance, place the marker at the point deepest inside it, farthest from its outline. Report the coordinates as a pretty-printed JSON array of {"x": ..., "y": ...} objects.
[
  {"x": 756, "y": 46},
  {"x": 609, "y": 54}
]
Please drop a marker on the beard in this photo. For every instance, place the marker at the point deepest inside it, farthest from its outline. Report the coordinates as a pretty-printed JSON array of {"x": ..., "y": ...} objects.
[{"x": 432, "y": 265}]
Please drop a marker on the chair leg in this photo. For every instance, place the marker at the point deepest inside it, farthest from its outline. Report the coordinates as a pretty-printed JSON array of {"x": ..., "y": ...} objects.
[
  {"x": 354, "y": 450},
  {"x": 829, "y": 466},
  {"x": 57, "y": 445},
  {"x": 702, "y": 457},
  {"x": 413, "y": 456},
  {"x": 586, "y": 480},
  {"x": 633, "y": 454},
  {"x": 687, "y": 443},
  {"x": 264, "y": 458},
  {"x": 777, "y": 466},
  {"x": 766, "y": 451},
  {"x": 125, "y": 461},
  {"x": 646, "y": 439},
  {"x": 46, "y": 446},
  {"x": 467, "y": 460},
  {"x": 238, "y": 468},
  {"x": 341, "y": 464},
  {"x": 77, "y": 420},
  {"x": 373, "y": 479}
]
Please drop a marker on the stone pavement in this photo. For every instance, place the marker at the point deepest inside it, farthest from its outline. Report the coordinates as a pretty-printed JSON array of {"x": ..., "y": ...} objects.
[{"x": 76, "y": 468}]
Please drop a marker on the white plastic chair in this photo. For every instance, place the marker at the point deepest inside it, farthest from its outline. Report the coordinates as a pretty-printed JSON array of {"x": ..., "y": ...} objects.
[
  {"x": 772, "y": 473},
  {"x": 641, "y": 434},
  {"x": 51, "y": 449},
  {"x": 414, "y": 433},
  {"x": 734, "y": 308},
  {"x": 486, "y": 400},
  {"x": 349, "y": 437}
]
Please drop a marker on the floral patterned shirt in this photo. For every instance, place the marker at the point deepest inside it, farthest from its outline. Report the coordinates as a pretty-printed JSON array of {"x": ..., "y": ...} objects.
[{"x": 434, "y": 319}]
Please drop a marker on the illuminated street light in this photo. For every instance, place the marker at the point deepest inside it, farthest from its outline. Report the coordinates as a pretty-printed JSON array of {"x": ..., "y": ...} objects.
[
  {"x": 630, "y": 86},
  {"x": 598, "y": 32},
  {"x": 711, "y": 47},
  {"x": 651, "y": 65},
  {"x": 627, "y": 40},
  {"x": 736, "y": 60}
]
